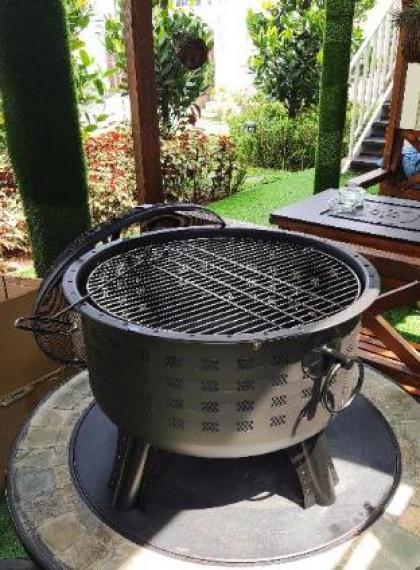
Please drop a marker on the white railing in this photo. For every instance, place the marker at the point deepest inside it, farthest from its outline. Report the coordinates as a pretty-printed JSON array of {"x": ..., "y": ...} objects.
[{"x": 371, "y": 74}]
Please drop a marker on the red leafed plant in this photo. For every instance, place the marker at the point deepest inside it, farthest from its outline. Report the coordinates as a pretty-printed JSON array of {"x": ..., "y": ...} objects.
[{"x": 196, "y": 168}]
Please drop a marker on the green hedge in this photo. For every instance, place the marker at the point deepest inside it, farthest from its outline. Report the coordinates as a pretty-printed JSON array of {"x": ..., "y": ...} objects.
[
  {"x": 42, "y": 124},
  {"x": 279, "y": 141}
]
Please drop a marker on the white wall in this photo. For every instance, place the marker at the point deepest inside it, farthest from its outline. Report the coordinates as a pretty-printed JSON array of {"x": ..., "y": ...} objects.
[{"x": 232, "y": 44}]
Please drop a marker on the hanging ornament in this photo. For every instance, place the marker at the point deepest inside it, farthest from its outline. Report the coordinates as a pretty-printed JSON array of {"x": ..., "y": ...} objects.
[{"x": 191, "y": 50}]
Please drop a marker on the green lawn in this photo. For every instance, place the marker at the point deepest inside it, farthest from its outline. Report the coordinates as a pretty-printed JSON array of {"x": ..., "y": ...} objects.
[
  {"x": 10, "y": 545},
  {"x": 265, "y": 190}
]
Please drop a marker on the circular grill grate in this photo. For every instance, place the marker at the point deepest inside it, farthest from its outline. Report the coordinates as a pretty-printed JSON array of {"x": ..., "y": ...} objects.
[{"x": 223, "y": 285}]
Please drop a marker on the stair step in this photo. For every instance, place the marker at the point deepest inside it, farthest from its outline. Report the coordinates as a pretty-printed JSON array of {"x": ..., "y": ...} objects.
[
  {"x": 365, "y": 162},
  {"x": 373, "y": 146},
  {"x": 377, "y": 141},
  {"x": 385, "y": 110},
  {"x": 372, "y": 142},
  {"x": 379, "y": 127}
]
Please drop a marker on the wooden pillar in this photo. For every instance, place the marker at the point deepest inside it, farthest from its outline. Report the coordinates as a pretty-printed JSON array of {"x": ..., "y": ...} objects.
[
  {"x": 143, "y": 98},
  {"x": 394, "y": 141}
]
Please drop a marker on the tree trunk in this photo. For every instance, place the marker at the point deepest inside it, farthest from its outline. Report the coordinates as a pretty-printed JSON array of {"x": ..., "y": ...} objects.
[
  {"x": 42, "y": 124},
  {"x": 334, "y": 89}
]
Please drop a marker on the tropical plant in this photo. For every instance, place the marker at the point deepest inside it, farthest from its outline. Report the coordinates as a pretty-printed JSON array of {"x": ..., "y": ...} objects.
[
  {"x": 200, "y": 168},
  {"x": 177, "y": 86},
  {"x": 288, "y": 38},
  {"x": 88, "y": 77},
  {"x": 196, "y": 167},
  {"x": 334, "y": 90},
  {"x": 3, "y": 143},
  {"x": 266, "y": 136},
  {"x": 287, "y": 35},
  {"x": 41, "y": 119}
]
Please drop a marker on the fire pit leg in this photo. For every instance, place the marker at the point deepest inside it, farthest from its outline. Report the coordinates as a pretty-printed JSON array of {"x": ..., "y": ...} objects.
[
  {"x": 130, "y": 475},
  {"x": 315, "y": 469}
]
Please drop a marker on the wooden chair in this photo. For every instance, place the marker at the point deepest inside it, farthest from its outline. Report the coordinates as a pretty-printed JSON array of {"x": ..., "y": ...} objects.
[{"x": 383, "y": 347}]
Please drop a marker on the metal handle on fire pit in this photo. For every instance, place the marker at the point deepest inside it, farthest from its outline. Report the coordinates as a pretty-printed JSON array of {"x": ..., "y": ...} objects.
[
  {"x": 346, "y": 363},
  {"x": 40, "y": 324},
  {"x": 45, "y": 325}
]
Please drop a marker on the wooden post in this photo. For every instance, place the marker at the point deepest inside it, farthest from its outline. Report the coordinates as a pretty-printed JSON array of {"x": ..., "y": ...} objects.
[{"x": 143, "y": 98}]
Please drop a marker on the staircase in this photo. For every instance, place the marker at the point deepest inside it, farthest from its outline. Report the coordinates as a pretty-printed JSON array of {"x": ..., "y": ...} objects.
[
  {"x": 371, "y": 150},
  {"x": 370, "y": 79}
]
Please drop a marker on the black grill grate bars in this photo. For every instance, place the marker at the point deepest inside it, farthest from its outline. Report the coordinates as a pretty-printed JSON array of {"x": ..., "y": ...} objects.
[{"x": 223, "y": 285}]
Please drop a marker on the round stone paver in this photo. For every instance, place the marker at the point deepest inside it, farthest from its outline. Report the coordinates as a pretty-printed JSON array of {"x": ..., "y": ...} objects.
[{"x": 61, "y": 532}]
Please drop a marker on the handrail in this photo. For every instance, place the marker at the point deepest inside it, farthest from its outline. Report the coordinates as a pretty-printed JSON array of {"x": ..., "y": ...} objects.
[
  {"x": 368, "y": 38},
  {"x": 370, "y": 78}
]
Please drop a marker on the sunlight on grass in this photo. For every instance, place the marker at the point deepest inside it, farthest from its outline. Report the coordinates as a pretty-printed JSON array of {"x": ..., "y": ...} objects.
[
  {"x": 407, "y": 322},
  {"x": 266, "y": 190}
]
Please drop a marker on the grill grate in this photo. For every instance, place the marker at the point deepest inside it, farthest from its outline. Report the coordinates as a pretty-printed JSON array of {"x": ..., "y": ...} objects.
[{"x": 223, "y": 285}]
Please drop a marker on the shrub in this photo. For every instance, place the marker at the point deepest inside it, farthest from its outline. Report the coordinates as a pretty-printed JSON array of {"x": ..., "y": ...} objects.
[
  {"x": 288, "y": 37},
  {"x": 13, "y": 230},
  {"x": 200, "y": 168},
  {"x": 196, "y": 167},
  {"x": 279, "y": 141},
  {"x": 177, "y": 86},
  {"x": 111, "y": 173}
]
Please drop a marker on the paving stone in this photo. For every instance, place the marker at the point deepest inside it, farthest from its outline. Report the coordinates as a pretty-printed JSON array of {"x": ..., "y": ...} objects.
[
  {"x": 399, "y": 546},
  {"x": 43, "y": 509},
  {"x": 84, "y": 551},
  {"x": 416, "y": 498},
  {"x": 36, "y": 457},
  {"x": 61, "y": 532},
  {"x": 41, "y": 437},
  {"x": 80, "y": 385},
  {"x": 380, "y": 562},
  {"x": 410, "y": 521},
  {"x": 65, "y": 401},
  {"x": 52, "y": 417},
  {"x": 125, "y": 560},
  {"x": 31, "y": 483},
  {"x": 62, "y": 476}
]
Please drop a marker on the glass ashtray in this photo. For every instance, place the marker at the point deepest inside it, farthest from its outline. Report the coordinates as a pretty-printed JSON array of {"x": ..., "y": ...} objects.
[{"x": 348, "y": 199}]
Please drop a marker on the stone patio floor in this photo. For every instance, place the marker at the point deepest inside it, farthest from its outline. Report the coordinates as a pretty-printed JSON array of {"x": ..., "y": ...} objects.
[{"x": 65, "y": 533}]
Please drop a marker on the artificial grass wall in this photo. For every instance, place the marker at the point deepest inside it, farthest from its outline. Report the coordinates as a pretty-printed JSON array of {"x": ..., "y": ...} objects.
[
  {"x": 42, "y": 124},
  {"x": 333, "y": 95}
]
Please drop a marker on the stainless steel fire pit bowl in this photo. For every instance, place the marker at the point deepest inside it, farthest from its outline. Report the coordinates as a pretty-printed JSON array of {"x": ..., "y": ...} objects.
[{"x": 222, "y": 342}]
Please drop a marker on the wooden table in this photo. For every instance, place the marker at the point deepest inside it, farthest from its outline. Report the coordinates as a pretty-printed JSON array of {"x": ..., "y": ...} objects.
[{"x": 387, "y": 231}]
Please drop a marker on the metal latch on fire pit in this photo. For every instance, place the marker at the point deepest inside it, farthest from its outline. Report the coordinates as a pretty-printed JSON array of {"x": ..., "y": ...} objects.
[{"x": 340, "y": 361}]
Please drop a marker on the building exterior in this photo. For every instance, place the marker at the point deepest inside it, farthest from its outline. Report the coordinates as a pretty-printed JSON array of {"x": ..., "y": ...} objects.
[{"x": 232, "y": 44}]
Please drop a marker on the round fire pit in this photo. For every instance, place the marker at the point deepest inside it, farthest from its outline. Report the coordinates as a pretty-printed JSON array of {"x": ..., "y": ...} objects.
[{"x": 221, "y": 342}]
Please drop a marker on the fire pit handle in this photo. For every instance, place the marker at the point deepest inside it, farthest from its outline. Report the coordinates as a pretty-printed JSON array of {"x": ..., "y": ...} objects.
[
  {"x": 149, "y": 213},
  {"x": 45, "y": 325},
  {"x": 346, "y": 363}
]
